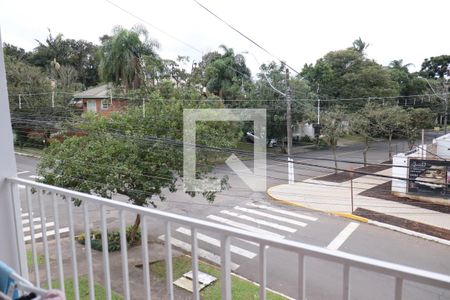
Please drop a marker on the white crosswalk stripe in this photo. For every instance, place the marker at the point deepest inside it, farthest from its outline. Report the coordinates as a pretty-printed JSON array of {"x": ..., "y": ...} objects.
[
  {"x": 262, "y": 219},
  {"x": 274, "y": 217},
  {"x": 259, "y": 221},
  {"x": 201, "y": 253},
  {"x": 245, "y": 226},
  {"x": 207, "y": 239},
  {"x": 284, "y": 212},
  {"x": 37, "y": 226}
]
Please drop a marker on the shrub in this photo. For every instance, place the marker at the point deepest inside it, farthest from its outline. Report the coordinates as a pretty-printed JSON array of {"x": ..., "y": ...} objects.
[{"x": 113, "y": 239}]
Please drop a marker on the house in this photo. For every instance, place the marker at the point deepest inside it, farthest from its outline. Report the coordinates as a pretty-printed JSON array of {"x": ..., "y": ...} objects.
[{"x": 100, "y": 100}]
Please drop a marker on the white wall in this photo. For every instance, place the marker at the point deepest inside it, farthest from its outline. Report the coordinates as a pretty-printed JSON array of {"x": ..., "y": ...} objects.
[
  {"x": 302, "y": 129},
  {"x": 401, "y": 161}
]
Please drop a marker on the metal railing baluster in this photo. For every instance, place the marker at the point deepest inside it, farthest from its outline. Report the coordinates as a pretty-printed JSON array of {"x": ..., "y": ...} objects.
[
  {"x": 32, "y": 237},
  {"x": 105, "y": 253},
  {"x": 58, "y": 244}
]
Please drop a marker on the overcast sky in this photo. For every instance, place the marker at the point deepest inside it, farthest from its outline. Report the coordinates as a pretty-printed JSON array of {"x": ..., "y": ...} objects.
[{"x": 297, "y": 31}]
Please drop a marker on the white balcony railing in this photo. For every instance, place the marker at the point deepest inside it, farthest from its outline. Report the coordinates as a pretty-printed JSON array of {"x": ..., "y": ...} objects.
[{"x": 55, "y": 200}]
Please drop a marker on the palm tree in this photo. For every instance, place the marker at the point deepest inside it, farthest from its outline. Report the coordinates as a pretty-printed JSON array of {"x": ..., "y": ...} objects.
[
  {"x": 360, "y": 46},
  {"x": 398, "y": 64},
  {"x": 121, "y": 56}
]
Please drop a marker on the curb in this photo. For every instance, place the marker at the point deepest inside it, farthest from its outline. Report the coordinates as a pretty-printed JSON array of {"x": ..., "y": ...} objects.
[
  {"x": 364, "y": 220},
  {"x": 335, "y": 213},
  {"x": 27, "y": 154},
  {"x": 410, "y": 232}
]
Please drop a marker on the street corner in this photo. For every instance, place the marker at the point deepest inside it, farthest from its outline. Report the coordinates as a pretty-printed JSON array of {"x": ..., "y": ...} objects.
[{"x": 286, "y": 194}]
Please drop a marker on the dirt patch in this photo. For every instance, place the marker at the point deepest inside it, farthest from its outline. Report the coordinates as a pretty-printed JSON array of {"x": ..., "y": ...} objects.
[
  {"x": 344, "y": 176},
  {"x": 404, "y": 223},
  {"x": 383, "y": 191}
]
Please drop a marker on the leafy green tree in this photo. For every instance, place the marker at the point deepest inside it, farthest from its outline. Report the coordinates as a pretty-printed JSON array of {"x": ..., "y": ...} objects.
[
  {"x": 408, "y": 83},
  {"x": 133, "y": 155},
  {"x": 416, "y": 120},
  {"x": 389, "y": 120},
  {"x": 359, "y": 45},
  {"x": 78, "y": 54},
  {"x": 121, "y": 56},
  {"x": 349, "y": 74},
  {"x": 363, "y": 123},
  {"x": 437, "y": 66},
  {"x": 334, "y": 126},
  {"x": 224, "y": 74},
  {"x": 267, "y": 93}
]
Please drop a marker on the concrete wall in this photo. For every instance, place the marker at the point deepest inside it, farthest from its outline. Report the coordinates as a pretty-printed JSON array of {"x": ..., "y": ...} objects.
[{"x": 401, "y": 161}]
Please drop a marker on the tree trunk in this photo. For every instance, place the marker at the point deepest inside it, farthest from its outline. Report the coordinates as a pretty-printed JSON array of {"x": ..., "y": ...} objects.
[
  {"x": 390, "y": 146},
  {"x": 333, "y": 148},
  {"x": 134, "y": 229},
  {"x": 365, "y": 151}
]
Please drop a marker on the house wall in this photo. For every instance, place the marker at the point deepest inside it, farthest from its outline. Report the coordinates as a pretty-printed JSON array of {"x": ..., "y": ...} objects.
[{"x": 117, "y": 105}]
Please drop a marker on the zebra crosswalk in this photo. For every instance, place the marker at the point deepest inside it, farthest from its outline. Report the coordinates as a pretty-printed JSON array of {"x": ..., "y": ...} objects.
[
  {"x": 36, "y": 225},
  {"x": 267, "y": 220}
]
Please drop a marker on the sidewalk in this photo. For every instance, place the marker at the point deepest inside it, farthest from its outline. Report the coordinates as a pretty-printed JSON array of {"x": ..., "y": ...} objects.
[{"x": 335, "y": 198}]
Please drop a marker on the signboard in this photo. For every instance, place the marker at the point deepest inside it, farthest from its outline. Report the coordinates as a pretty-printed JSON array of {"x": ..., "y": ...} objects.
[{"x": 428, "y": 177}]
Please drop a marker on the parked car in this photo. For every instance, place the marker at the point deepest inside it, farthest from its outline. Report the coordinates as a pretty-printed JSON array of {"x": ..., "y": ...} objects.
[{"x": 251, "y": 137}]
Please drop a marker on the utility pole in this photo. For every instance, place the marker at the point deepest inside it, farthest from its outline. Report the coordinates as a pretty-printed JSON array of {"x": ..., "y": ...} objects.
[
  {"x": 289, "y": 130},
  {"x": 288, "y": 115},
  {"x": 446, "y": 106},
  {"x": 318, "y": 105}
]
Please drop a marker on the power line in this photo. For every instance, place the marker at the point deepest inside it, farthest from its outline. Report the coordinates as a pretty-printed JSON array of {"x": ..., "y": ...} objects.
[
  {"x": 154, "y": 26},
  {"x": 245, "y": 36}
]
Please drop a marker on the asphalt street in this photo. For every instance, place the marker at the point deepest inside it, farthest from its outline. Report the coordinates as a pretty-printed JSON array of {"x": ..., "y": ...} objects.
[{"x": 241, "y": 207}]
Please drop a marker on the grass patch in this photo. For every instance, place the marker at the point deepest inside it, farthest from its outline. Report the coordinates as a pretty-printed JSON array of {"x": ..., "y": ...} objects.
[
  {"x": 84, "y": 289},
  {"x": 241, "y": 289},
  {"x": 353, "y": 138},
  {"x": 40, "y": 259}
]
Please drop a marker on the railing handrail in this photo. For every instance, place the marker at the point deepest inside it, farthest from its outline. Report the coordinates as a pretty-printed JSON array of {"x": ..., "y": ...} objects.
[{"x": 365, "y": 263}]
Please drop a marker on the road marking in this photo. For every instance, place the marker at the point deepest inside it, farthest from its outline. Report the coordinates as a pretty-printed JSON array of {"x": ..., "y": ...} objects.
[
  {"x": 26, "y": 221},
  {"x": 263, "y": 214},
  {"x": 49, "y": 233},
  {"x": 36, "y": 177},
  {"x": 201, "y": 253},
  {"x": 259, "y": 221},
  {"x": 207, "y": 239},
  {"x": 22, "y": 172},
  {"x": 39, "y": 226},
  {"x": 342, "y": 236},
  {"x": 244, "y": 226},
  {"x": 284, "y": 212}
]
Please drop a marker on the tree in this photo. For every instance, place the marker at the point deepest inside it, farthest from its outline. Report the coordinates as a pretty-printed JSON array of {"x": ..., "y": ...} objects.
[
  {"x": 267, "y": 93},
  {"x": 133, "y": 155},
  {"x": 416, "y": 120},
  {"x": 224, "y": 74},
  {"x": 333, "y": 127},
  {"x": 78, "y": 54},
  {"x": 363, "y": 123},
  {"x": 437, "y": 66},
  {"x": 389, "y": 120},
  {"x": 348, "y": 73},
  {"x": 359, "y": 45},
  {"x": 408, "y": 83},
  {"x": 121, "y": 56}
]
